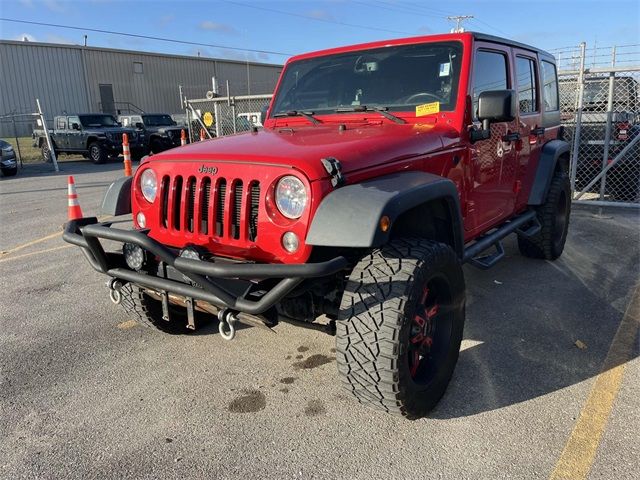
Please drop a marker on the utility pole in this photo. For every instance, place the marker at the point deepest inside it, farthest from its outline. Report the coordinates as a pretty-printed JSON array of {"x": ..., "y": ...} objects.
[{"x": 458, "y": 19}]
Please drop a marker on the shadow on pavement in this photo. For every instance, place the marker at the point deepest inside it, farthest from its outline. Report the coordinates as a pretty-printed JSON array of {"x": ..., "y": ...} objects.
[{"x": 524, "y": 317}]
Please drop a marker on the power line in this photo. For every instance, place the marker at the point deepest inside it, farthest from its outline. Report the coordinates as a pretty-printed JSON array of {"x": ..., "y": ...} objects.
[
  {"x": 490, "y": 26},
  {"x": 306, "y": 17},
  {"x": 147, "y": 37},
  {"x": 413, "y": 7},
  {"x": 458, "y": 19}
]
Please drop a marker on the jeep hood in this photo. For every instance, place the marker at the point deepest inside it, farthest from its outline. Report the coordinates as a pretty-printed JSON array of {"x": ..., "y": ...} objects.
[{"x": 357, "y": 147}]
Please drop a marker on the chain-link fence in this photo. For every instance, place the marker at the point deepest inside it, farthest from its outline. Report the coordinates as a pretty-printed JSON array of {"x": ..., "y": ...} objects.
[
  {"x": 600, "y": 105},
  {"x": 217, "y": 116}
]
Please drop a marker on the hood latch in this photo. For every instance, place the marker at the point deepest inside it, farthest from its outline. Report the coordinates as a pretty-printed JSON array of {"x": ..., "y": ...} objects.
[{"x": 333, "y": 168}]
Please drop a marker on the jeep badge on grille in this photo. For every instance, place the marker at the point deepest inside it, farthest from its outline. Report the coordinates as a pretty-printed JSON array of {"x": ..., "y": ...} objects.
[{"x": 205, "y": 169}]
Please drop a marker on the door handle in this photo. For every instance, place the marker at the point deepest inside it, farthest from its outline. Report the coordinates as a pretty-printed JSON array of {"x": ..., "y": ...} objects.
[
  {"x": 538, "y": 131},
  {"x": 511, "y": 137}
]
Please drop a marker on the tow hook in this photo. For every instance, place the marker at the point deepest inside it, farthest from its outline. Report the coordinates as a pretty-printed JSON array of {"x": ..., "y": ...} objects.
[
  {"x": 114, "y": 290},
  {"x": 227, "y": 318}
]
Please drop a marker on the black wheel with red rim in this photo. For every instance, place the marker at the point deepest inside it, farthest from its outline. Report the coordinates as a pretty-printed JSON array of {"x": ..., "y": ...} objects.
[{"x": 400, "y": 326}]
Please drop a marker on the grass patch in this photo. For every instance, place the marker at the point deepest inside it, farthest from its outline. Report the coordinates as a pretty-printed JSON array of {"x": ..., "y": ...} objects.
[{"x": 30, "y": 154}]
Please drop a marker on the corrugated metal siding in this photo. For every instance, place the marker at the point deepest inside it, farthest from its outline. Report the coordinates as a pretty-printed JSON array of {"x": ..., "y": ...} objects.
[
  {"x": 52, "y": 74},
  {"x": 56, "y": 75}
]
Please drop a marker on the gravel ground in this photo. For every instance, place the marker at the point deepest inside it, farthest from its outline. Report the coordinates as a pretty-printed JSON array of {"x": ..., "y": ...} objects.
[{"x": 87, "y": 393}]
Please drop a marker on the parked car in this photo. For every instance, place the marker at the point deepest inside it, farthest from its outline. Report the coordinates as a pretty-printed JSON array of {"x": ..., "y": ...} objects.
[
  {"x": 8, "y": 162},
  {"x": 158, "y": 131},
  {"x": 97, "y": 136},
  {"x": 353, "y": 210}
]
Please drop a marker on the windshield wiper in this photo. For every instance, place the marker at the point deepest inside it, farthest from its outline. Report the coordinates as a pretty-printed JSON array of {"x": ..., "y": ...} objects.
[
  {"x": 381, "y": 110},
  {"x": 299, "y": 113}
]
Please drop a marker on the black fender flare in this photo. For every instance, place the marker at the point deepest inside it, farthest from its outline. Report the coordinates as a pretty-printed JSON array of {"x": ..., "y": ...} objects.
[
  {"x": 117, "y": 199},
  {"x": 551, "y": 152},
  {"x": 350, "y": 216}
]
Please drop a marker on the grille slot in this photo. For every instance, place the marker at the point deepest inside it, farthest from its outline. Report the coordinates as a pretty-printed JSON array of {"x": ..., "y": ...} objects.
[
  {"x": 220, "y": 200},
  {"x": 165, "y": 202},
  {"x": 204, "y": 205},
  {"x": 191, "y": 202},
  {"x": 236, "y": 210},
  {"x": 253, "y": 211},
  {"x": 177, "y": 201}
]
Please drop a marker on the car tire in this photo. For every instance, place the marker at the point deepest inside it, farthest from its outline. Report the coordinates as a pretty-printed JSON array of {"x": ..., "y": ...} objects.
[
  {"x": 148, "y": 311},
  {"x": 400, "y": 326},
  {"x": 156, "y": 146},
  {"x": 553, "y": 216},
  {"x": 97, "y": 153},
  {"x": 9, "y": 172}
]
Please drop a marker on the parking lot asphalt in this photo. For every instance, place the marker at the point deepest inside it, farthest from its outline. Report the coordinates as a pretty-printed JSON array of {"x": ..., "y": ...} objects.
[{"x": 543, "y": 385}]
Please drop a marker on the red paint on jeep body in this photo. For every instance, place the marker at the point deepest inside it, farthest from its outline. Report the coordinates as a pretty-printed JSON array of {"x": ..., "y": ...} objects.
[{"x": 370, "y": 146}]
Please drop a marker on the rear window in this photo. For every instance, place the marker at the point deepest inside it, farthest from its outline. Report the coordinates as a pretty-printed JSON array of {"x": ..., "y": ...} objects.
[{"x": 549, "y": 86}]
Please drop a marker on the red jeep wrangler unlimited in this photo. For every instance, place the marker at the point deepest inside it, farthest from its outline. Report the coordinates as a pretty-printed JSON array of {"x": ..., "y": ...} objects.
[{"x": 381, "y": 169}]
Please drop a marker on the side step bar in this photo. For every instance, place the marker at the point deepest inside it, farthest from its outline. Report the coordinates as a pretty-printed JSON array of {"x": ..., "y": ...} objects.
[{"x": 484, "y": 262}]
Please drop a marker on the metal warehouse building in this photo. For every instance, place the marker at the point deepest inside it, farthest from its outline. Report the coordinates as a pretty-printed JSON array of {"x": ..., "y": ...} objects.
[{"x": 74, "y": 78}]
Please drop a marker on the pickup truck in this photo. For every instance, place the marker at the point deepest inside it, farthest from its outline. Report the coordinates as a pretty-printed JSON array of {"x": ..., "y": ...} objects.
[
  {"x": 354, "y": 209},
  {"x": 158, "y": 131},
  {"x": 96, "y": 136}
]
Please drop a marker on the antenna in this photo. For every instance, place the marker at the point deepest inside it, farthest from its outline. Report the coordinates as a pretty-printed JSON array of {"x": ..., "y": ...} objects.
[{"x": 458, "y": 19}]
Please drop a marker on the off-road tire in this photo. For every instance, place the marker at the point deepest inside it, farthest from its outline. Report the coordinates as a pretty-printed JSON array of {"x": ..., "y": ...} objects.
[
  {"x": 553, "y": 216},
  {"x": 376, "y": 322},
  {"x": 97, "y": 153},
  {"x": 148, "y": 311}
]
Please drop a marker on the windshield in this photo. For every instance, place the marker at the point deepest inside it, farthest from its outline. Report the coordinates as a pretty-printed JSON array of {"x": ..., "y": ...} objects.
[
  {"x": 98, "y": 121},
  {"x": 399, "y": 78},
  {"x": 157, "y": 120}
]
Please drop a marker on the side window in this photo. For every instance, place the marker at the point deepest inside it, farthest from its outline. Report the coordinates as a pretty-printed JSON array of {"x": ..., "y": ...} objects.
[
  {"x": 527, "y": 89},
  {"x": 490, "y": 73},
  {"x": 62, "y": 123},
  {"x": 549, "y": 86},
  {"x": 73, "y": 120}
]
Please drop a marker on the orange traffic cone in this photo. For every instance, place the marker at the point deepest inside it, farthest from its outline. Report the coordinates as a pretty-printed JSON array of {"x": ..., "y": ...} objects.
[
  {"x": 183, "y": 138},
  {"x": 74, "y": 212},
  {"x": 202, "y": 135},
  {"x": 126, "y": 153}
]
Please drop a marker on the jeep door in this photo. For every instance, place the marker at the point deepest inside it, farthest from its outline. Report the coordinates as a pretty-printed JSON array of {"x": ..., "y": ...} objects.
[
  {"x": 76, "y": 138},
  {"x": 493, "y": 161},
  {"x": 531, "y": 127},
  {"x": 61, "y": 133}
]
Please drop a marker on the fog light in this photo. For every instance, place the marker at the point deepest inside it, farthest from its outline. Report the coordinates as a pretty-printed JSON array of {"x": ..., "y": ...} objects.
[
  {"x": 190, "y": 252},
  {"x": 134, "y": 256},
  {"x": 290, "y": 242},
  {"x": 141, "y": 220}
]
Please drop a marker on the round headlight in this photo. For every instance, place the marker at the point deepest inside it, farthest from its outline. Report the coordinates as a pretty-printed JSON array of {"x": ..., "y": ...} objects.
[
  {"x": 149, "y": 185},
  {"x": 291, "y": 196}
]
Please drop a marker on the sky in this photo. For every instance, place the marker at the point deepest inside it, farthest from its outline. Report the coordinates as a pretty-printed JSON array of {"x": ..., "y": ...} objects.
[{"x": 272, "y": 30}]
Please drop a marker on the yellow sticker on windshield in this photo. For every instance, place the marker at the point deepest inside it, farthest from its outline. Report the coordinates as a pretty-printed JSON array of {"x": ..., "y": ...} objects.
[{"x": 427, "y": 108}]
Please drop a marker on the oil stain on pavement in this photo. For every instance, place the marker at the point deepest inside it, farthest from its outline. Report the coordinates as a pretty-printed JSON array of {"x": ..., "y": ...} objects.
[
  {"x": 251, "y": 401},
  {"x": 314, "y": 408},
  {"x": 313, "y": 361}
]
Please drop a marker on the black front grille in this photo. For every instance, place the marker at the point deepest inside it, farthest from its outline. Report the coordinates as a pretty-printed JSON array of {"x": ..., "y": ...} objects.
[{"x": 210, "y": 206}]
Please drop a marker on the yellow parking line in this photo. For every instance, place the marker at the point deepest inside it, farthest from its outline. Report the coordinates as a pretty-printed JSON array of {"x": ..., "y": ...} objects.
[
  {"x": 580, "y": 450},
  {"x": 28, "y": 244},
  {"x": 40, "y": 240},
  {"x": 46, "y": 250}
]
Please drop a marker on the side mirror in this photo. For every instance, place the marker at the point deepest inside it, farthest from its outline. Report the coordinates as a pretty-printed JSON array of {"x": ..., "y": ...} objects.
[
  {"x": 174, "y": 123},
  {"x": 263, "y": 114},
  {"x": 75, "y": 126},
  {"x": 494, "y": 106},
  {"x": 139, "y": 125}
]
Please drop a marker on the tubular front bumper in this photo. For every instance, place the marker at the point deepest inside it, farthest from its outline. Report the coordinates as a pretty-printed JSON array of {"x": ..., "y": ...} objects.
[{"x": 86, "y": 233}]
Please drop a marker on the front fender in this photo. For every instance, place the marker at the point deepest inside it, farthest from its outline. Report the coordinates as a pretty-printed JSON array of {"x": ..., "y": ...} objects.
[
  {"x": 350, "y": 216},
  {"x": 117, "y": 199}
]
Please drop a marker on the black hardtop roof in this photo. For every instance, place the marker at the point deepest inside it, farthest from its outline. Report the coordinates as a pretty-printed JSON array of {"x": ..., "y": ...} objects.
[{"x": 505, "y": 41}]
